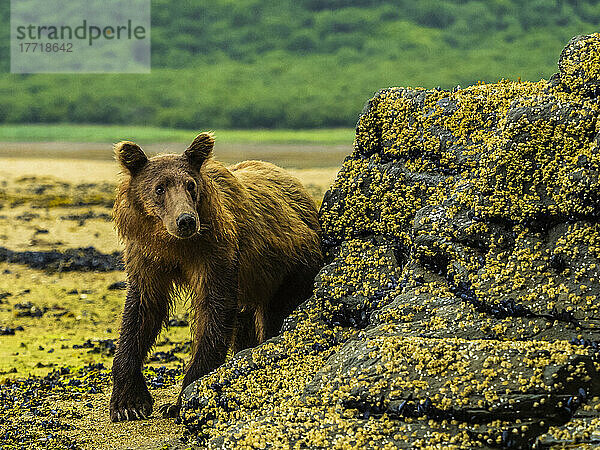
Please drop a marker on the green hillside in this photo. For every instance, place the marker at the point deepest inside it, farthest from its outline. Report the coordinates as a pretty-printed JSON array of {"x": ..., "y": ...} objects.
[{"x": 302, "y": 63}]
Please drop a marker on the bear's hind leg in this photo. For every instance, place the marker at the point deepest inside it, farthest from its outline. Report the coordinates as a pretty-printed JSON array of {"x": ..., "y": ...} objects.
[
  {"x": 244, "y": 335},
  {"x": 260, "y": 324},
  {"x": 295, "y": 288}
]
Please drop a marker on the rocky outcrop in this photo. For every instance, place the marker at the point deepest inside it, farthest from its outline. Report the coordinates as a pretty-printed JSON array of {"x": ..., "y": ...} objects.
[{"x": 459, "y": 304}]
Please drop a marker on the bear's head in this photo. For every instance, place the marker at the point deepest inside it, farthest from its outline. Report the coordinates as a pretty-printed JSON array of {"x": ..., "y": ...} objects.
[{"x": 167, "y": 189}]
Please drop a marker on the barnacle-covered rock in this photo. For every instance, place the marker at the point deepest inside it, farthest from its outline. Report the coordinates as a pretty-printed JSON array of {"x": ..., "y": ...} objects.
[
  {"x": 579, "y": 65},
  {"x": 459, "y": 306}
]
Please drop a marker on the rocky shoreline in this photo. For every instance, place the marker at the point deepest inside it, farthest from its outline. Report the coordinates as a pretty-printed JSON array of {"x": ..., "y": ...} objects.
[{"x": 459, "y": 303}]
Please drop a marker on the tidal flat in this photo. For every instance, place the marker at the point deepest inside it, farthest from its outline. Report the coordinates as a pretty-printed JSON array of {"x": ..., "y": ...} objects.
[{"x": 62, "y": 292}]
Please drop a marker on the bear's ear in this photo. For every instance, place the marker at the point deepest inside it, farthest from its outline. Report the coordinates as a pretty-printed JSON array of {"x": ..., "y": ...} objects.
[
  {"x": 131, "y": 157},
  {"x": 200, "y": 149}
]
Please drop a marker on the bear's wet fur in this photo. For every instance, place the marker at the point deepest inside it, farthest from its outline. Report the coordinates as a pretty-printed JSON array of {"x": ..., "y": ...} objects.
[{"x": 244, "y": 240}]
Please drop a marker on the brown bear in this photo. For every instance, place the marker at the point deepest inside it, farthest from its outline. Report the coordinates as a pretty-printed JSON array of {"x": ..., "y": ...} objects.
[{"x": 244, "y": 240}]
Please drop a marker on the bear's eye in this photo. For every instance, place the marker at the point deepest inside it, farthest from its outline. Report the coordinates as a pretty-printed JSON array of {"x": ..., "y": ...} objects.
[
  {"x": 191, "y": 186},
  {"x": 160, "y": 190}
]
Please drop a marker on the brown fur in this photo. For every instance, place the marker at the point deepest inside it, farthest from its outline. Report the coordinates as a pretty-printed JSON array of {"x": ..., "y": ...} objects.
[{"x": 251, "y": 260}]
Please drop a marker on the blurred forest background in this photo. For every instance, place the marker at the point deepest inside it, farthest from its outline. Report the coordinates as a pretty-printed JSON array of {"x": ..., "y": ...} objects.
[{"x": 299, "y": 63}]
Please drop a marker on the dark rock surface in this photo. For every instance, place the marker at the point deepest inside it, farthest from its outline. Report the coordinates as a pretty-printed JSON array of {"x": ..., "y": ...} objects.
[
  {"x": 117, "y": 285},
  {"x": 459, "y": 304},
  {"x": 104, "y": 346},
  {"x": 81, "y": 259},
  {"x": 46, "y": 192},
  {"x": 8, "y": 331},
  {"x": 82, "y": 218},
  {"x": 28, "y": 309}
]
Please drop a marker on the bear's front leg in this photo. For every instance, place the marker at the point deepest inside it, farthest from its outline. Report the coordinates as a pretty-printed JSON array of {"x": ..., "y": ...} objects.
[
  {"x": 144, "y": 314},
  {"x": 214, "y": 321}
]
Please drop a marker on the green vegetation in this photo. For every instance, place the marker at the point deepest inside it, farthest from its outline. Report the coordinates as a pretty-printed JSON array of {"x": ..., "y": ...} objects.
[
  {"x": 299, "y": 64},
  {"x": 111, "y": 133}
]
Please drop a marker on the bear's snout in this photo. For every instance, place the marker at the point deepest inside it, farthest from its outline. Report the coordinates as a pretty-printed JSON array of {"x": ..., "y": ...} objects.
[{"x": 186, "y": 225}]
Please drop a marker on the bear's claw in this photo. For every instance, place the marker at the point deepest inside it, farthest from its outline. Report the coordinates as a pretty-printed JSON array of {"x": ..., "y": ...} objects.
[
  {"x": 133, "y": 405},
  {"x": 168, "y": 410},
  {"x": 131, "y": 413}
]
